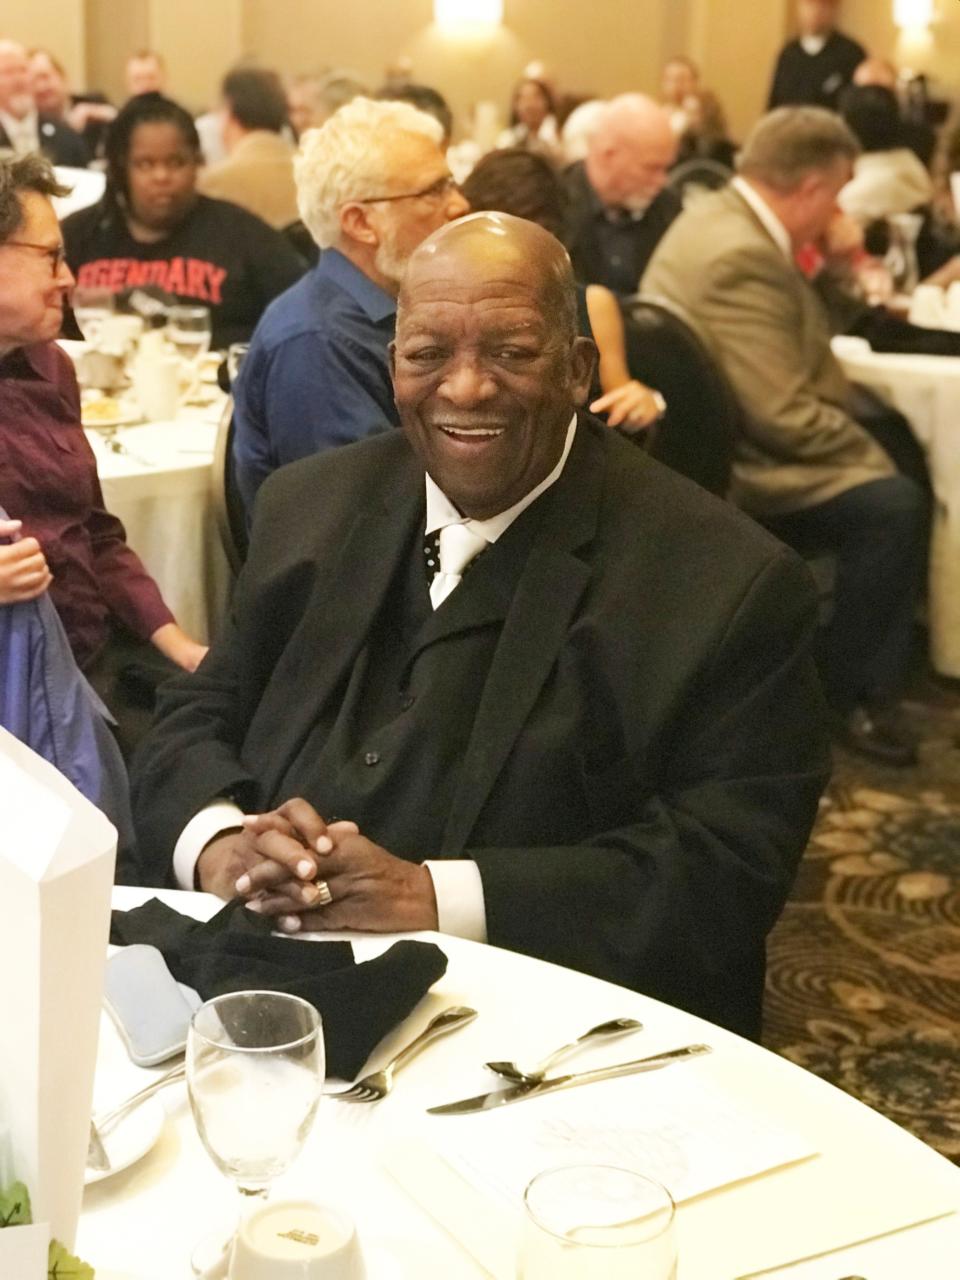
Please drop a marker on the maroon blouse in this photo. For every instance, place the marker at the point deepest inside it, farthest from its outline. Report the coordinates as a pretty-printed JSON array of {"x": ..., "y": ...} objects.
[{"x": 48, "y": 479}]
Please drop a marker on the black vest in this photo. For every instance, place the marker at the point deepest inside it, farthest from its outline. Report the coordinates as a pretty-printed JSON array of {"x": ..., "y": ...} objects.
[{"x": 387, "y": 747}]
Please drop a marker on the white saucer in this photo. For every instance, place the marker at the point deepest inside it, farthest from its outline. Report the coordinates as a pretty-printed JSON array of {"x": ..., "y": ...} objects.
[{"x": 130, "y": 1139}]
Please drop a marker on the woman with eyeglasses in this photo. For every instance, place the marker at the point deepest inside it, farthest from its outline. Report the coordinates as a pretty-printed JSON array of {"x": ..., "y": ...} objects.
[
  {"x": 153, "y": 229},
  {"x": 59, "y": 537}
]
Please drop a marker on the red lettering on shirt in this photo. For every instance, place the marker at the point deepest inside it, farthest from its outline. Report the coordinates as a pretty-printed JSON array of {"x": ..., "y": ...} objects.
[
  {"x": 137, "y": 273},
  {"x": 176, "y": 277},
  {"x": 158, "y": 273},
  {"x": 117, "y": 276},
  {"x": 196, "y": 279},
  {"x": 216, "y": 276}
]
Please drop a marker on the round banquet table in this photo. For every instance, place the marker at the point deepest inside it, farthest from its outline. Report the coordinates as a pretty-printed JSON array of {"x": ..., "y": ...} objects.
[
  {"x": 142, "y": 1222},
  {"x": 926, "y": 390},
  {"x": 156, "y": 480}
]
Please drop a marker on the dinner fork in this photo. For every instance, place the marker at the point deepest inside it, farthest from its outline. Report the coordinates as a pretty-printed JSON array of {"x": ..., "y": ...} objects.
[{"x": 378, "y": 1084}]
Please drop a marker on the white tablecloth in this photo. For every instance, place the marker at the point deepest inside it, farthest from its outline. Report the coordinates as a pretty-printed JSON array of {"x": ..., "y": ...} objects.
[
  {"x": 143, "y": 1222},
  {"x": 926, "y": 389},
  {"x": 158, "y": 484}
]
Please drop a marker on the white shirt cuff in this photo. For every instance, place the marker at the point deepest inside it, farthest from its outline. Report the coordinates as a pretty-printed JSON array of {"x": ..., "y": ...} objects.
[
  {"x": 219, "y": 815},
  {"x": 461, "y": 908}
]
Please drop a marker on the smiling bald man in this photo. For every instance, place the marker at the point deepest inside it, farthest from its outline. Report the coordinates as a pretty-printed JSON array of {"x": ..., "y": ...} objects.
[{"x": 502, "y": 675}]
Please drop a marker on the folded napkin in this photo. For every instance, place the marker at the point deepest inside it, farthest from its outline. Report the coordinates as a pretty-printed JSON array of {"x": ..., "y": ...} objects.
[{"x": 236, "y": 951}]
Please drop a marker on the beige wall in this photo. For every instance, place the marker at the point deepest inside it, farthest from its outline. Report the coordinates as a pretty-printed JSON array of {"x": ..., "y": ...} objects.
[
  {"x": 56, "y": 24},
  {"x": 600, "y": 46},
  {"x": 937, "y": 52}
]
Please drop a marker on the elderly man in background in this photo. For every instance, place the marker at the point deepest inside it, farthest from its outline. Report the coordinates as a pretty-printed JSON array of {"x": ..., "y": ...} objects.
[
  {"x": 22, "y": 127},
  {"x": 145, "y": 72},
  {"x": 258, "y": 171},
  {"x": 372, "y": 183},
  {"x": 815, "y": 68},
  {"x": 90, "y": 114},
  {"x": 619, "y": 202},
  {"x": 804, "y": 465},
  {"x": 448, "y": 699}
]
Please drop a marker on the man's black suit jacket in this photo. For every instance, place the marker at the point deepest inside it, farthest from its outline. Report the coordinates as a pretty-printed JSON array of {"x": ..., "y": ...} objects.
[
  {"x": 680, "y": 627},
  {"x": 584, "y": 239},
  {"x": 58, "y": 142}
]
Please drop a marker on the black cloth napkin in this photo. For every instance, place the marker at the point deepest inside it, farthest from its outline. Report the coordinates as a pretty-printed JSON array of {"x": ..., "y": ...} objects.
[{"x": 235, "y": 951}]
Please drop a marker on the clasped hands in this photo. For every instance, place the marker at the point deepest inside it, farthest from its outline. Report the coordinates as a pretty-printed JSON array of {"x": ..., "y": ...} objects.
[{"x": 277, "y": 859}]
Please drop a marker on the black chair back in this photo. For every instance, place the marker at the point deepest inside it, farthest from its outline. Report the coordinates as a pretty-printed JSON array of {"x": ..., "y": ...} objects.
[
  {"x": 227, "y": 504},
  {"x": 697, "y": 434},
  {"x": 698, "y": 175}
]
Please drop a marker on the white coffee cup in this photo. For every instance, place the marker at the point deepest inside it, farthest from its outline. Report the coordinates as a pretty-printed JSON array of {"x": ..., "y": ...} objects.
[
  {"x": 156, "y": 384},
  {"x": 296, "y": 1240},
  {"x": 928, "y": 306}
]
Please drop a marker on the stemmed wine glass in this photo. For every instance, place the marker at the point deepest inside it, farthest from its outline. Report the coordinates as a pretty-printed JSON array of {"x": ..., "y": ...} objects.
[{"x": 255, "y": 1069}]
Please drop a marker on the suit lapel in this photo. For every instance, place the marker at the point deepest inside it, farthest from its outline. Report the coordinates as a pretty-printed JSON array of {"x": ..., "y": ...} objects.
[
  {"x": 549, "y": 589},
  {"x": 340, "y": 614}
]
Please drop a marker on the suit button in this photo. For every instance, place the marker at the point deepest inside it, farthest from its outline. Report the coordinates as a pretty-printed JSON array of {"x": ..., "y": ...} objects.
[
  {"x": 407, "y": 701},
  {"x": 372, "y": 757}
]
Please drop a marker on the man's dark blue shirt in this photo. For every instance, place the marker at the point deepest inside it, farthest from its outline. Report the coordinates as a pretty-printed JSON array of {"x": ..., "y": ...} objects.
[{"x": 317, "y": 373}]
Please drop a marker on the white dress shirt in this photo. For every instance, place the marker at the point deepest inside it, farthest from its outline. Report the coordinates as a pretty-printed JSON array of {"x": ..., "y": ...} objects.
[
  {"x": 771, "y": 223},
  {"x": 813, "y": 45},
  {"x": 461, "y": 910},
  {"x": 23, "y": 134}
]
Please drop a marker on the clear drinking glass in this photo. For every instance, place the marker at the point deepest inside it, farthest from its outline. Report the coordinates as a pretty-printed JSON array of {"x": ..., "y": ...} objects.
[
  {"x": 255, "y": 1068},
  {"x": 92, "y": 305},
  {"x": 597, "y": 1222},
  {"x": 189, "y": 330}
]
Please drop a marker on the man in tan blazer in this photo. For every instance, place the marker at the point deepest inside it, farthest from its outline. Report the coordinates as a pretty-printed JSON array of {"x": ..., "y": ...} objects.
[
  {"x": 258, "y": 171},
  {"x": 804, "y": 466}
]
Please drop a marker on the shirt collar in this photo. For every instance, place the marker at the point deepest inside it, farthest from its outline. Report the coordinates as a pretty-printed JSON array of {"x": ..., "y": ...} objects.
[
  {"x": 376, "y": 302},
  {"x": 768, "y": 219},
  {"x": 28, "y": 128},
  {"x": 441, "y": 511},
  {"x": 814, "y": 45}
]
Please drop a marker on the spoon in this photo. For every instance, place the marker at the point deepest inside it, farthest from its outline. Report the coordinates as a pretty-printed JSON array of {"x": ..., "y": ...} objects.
[{"x": 605, "y": 1031}]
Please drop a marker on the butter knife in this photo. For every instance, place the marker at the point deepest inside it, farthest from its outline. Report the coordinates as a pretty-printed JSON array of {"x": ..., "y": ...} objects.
[{"x": 520, "y": 1092}]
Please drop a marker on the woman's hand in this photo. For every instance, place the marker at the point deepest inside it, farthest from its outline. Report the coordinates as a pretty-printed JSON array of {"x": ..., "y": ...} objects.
[
  {"x": 631, "y": 406},
  {"x": 24, "y": 574},
  {"x": 174, "y": 642}
]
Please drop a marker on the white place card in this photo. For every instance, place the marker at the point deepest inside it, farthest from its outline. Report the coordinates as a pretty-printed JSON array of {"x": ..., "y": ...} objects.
[{"x": 57, "y": 854}]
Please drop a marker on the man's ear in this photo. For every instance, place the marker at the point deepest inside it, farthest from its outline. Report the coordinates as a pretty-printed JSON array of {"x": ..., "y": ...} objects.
[
  {"x": 356, "y": 225},
  {"x": 583, "y": 361}
]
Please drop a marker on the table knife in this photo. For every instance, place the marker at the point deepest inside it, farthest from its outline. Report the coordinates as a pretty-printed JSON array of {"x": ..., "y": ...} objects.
[{"x": 520, "y": 1092}]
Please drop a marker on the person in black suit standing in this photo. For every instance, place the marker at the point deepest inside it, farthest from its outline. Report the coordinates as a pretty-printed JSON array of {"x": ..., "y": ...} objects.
[
  {"x": 599, "y": 740},
  {"x": 619, "y": 204},
  {"x": 815, "y": 68},
  {"x": 22, "y": 128}
]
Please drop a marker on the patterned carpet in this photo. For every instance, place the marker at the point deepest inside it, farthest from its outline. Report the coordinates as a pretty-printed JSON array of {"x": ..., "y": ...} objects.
[{"x": 864, "y": 974}]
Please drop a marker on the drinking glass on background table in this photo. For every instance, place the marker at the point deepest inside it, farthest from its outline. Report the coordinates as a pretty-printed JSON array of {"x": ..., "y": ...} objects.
[
  {"x": 597, "y": 1222},
  {"x": 92, "y": 305},
  {"x": 255, "y": 1067},
  {"x": 188, "y": 331}
]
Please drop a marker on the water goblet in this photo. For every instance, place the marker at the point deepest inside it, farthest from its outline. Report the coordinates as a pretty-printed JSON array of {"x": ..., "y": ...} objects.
[
  {"x": 584, "y": 1222},
  {"x": 255, "y": 1069},
  {"x": 92, "y": 305}
]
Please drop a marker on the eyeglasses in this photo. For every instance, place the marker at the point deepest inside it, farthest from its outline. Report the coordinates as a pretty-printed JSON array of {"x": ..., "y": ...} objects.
[
  {"x": 441, "y": 187},
  {"x": 57, "y": 254}
]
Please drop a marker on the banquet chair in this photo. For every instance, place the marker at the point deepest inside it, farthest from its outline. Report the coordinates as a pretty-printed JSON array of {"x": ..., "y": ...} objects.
[
  {"x": 696, "y": 436},
  {"x": 227, "y": 505},
  {"x": 695, "y": 177}
]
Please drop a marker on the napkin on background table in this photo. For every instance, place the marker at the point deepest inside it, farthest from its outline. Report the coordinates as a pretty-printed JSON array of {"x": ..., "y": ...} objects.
[{"x": 237, "y": 951}]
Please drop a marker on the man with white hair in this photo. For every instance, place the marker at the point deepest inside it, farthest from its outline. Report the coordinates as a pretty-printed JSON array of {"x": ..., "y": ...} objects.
[
  {"x": 620, "y": 204},
  {"x": 372, "y": 183},
  {"x": 22, "y": 128}
]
